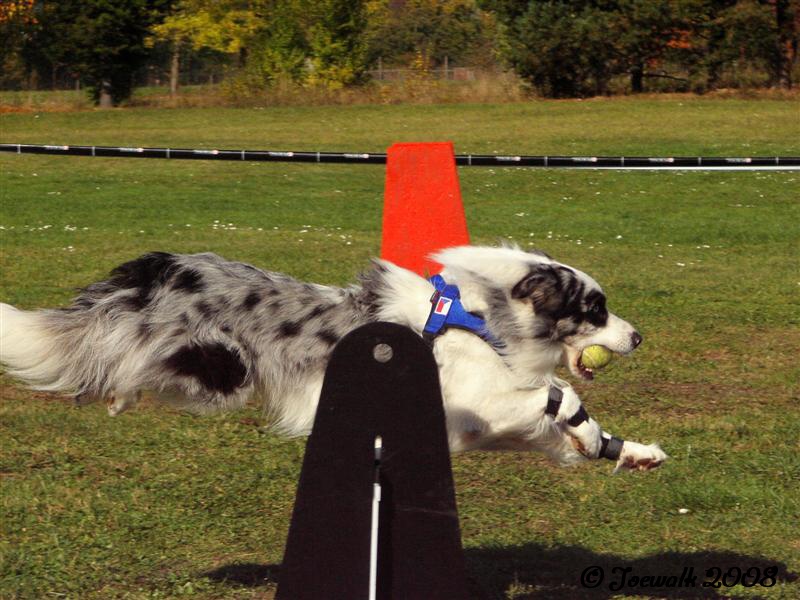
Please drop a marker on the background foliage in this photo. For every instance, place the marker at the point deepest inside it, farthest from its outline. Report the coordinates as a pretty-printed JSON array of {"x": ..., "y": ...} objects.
[{"x": 559, "y": 48}]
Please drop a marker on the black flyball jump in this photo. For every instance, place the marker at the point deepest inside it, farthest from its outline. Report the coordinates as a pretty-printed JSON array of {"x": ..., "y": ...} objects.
[
  {"x": 382, "y": 380},
  {"x": 783, "y": 163}
]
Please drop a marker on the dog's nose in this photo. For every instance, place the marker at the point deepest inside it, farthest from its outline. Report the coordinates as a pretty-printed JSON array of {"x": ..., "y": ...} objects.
[{"x": 636, "y": 339}]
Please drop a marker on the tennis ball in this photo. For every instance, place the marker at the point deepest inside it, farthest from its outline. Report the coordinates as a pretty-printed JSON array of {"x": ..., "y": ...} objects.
[{"x": 596, "y": 357}]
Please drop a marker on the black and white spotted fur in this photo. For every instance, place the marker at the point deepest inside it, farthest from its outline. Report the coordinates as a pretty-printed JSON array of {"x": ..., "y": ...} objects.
[{"x": 207, "y": 334}]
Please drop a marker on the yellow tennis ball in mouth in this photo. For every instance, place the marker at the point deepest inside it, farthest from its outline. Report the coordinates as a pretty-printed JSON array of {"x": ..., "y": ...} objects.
[{"x": 596, "y": 357}]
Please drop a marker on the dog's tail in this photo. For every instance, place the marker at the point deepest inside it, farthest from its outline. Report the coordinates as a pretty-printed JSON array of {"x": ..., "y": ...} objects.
[{"x": 43, "y": 348}]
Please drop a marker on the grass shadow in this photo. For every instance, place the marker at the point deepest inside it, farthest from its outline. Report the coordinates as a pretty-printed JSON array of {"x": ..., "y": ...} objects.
[
  {"x": 536, "y": 572},
  {"x": 250, "y": 575}
]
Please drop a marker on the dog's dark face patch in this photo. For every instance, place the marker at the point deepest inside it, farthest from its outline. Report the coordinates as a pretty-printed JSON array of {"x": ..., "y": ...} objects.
[
  {"x": 595, "y": 311},
  {"x": 563, "y": 303},
  {"x": 216, "y": 367},
  {"x": 189, "y": 281}
]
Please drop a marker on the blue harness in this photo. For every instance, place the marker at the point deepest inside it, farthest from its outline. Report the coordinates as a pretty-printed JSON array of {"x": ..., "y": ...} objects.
[{"x": 447, "y": 312}]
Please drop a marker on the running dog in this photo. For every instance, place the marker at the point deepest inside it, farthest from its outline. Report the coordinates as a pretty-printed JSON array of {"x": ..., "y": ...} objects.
[{"x": 206, "y": 334}]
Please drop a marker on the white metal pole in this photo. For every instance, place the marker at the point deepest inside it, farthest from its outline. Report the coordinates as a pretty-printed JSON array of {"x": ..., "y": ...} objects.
[{"x": 373, "y": 542}]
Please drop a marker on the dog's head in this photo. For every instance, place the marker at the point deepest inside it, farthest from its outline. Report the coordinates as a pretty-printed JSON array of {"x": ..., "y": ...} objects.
[{"x": 544, "y": 310}]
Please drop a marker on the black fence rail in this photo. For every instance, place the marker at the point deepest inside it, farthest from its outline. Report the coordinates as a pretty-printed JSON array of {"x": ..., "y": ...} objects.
[{"x": 786, "y": 163}]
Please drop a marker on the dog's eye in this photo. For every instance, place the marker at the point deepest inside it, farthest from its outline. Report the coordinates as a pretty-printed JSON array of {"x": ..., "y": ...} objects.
[{"x": 596, "y": 309}]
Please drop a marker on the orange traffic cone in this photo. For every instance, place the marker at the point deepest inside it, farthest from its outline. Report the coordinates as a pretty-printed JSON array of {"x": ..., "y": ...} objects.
[{"x": 422, "y": 210}]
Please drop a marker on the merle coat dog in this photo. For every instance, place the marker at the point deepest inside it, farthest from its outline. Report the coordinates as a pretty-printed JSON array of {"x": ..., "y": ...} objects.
[{"x": 206, "y": 334}]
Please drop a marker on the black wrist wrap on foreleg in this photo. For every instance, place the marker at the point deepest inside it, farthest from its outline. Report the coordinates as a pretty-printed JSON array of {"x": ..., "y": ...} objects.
[
  {"x": 579, "y": 417},
  {"x": 554, "y": 397},
  {"x": 610, "y": 447}
]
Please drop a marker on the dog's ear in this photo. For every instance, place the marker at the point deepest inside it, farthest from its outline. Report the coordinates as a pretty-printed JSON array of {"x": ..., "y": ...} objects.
[{"x": 543, "y": 286}]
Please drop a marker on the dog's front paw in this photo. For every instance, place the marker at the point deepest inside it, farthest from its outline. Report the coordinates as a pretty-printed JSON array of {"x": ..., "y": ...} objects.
[{"x": 638, "y": 457}]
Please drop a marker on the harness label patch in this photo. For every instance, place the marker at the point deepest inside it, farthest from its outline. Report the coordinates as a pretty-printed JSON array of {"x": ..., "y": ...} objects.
[{"x": 443, "y": 306}]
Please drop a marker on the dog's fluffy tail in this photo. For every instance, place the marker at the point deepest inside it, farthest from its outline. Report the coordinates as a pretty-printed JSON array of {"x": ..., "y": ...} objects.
[{"x": 38, "y": 348}]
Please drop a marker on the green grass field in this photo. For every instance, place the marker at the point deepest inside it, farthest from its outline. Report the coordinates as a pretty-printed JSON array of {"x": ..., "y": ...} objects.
[{"x": 158, "y": 504}]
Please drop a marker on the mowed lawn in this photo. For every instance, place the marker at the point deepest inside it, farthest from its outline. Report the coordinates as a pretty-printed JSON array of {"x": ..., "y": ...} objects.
[{"x": 159, "y": 504}]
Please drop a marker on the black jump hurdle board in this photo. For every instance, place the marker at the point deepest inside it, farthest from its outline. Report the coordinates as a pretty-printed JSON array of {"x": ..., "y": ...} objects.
[{"x": 419, "y": 544}]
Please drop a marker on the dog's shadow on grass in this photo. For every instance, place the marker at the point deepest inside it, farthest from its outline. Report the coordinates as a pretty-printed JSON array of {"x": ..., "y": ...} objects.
[{"x": 536, "y": 572}]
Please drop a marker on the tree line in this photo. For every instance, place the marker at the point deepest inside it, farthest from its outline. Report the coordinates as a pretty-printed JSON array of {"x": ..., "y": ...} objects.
[{"x": 558, "y": 48}]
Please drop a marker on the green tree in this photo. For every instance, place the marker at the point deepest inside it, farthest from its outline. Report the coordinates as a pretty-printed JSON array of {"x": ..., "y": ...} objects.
[
  {"x": 314, "y": 42},
  {"x": 101, "y": 41},
  {"x": 455, "y": 30},
  {"x": 742, "y": 42},
  {"x": 562, "y": 48},
  {"x": 643, "y": 32},
  {"x": 224, "y": 26},
  {"x": 46, "y": 42},
  {"x": 337, "y": 44},
  {"x": 16, "y": 20},
  {"x": 787, "y": 24}
]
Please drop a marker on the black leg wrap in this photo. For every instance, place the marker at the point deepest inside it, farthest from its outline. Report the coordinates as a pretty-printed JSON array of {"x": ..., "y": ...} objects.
[
  {"x": 578, "y": 418},
  {"x": 610, "y": 447},
  {"x": 553, "y": 401}
]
